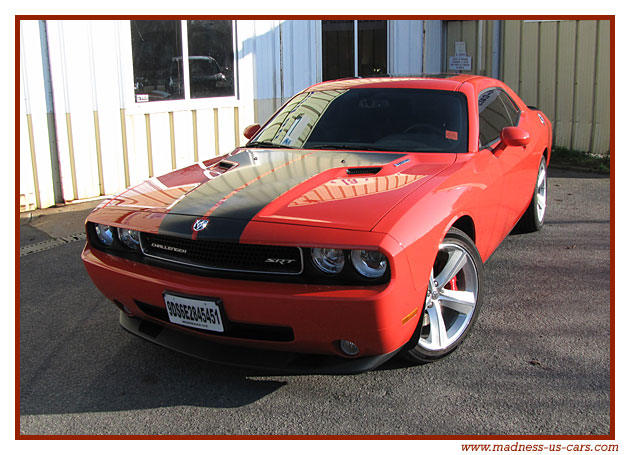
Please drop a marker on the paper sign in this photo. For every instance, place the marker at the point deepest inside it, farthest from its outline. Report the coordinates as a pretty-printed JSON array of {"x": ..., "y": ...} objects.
[
  {"x": 452, "y": 135},
  {"x": 460, "y": 63},
  {"x": 460, "y": 48}
]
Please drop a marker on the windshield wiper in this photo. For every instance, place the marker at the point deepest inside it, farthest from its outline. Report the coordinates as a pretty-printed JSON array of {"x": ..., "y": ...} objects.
[{"x": 268, "y": 144}]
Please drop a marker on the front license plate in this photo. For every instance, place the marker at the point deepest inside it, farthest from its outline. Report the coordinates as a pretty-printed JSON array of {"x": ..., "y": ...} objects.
[{"x": 196, "y": 313}]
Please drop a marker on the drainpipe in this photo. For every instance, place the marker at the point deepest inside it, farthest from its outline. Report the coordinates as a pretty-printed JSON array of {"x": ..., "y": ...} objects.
[
  {"x": 496, "y": 49},
  {"x": 480, "y": 47},
  {"x": 281, "y": 64},
  {"x": 50, "y": 115}
]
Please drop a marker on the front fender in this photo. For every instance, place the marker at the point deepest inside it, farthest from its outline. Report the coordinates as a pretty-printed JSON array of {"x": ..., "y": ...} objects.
[{"x": 470, "y": 187}]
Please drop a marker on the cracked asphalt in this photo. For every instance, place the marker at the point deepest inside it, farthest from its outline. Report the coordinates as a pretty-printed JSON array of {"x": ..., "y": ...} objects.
[{"x": 537, "y": 361}]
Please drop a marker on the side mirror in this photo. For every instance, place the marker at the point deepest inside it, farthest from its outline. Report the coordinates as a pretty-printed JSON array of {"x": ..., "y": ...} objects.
[
  {"x": 511, "y": 136},
  {"x": 251, "y": 131}
]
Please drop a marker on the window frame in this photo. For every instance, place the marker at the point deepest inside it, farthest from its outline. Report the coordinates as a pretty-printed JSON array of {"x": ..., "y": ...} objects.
[
  {"x": 518, "y": 110},
  {"x": 187, "y": 103},
  {"x": 355, "y": 29},
  {"x": 507, "y": 113}
]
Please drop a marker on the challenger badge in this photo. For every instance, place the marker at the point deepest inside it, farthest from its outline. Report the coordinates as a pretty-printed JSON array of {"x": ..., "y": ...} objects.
[{"x": 200, "y": 225}]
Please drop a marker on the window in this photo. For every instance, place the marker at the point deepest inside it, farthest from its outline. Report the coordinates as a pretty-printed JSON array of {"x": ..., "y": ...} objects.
[
  {"x": 494, "y": 115},
  {"x": 339, "y": 56},
  {"x": 513, "y": 111},
  {"x": 396, "y": 119},
  {"x": 167, "y": 67}
]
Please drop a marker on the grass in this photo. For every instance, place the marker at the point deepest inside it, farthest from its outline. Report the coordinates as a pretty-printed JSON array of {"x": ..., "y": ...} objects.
[{"x": 562, "y": 157}]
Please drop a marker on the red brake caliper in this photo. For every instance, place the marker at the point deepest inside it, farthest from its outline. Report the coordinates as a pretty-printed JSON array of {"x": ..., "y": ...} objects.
[{"x": 453, "y": 284}]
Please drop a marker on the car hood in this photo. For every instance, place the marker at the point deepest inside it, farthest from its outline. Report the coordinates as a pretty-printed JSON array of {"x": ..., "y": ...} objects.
[{"x": 338, "y": 189}]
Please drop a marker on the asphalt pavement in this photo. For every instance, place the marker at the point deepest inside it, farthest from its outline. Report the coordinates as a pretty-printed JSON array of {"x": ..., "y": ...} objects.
[{"x": 537, "y": 361}]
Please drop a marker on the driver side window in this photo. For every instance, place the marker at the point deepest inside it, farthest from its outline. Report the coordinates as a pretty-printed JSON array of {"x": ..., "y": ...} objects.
[{"x": 493, "y": 117}]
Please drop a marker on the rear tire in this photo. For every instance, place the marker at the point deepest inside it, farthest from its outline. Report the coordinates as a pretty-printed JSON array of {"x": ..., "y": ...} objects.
[
  {"x": 454, "y": 297},
  {"x": 534, "y": 217}
]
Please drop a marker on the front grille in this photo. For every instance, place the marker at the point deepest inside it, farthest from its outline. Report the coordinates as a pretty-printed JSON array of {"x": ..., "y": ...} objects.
[{"x": 233, "y": 257}]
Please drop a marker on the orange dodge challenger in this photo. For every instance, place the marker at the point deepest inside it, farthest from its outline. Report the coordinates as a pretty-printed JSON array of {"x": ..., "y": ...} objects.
[{"x": 353, "y": 226}]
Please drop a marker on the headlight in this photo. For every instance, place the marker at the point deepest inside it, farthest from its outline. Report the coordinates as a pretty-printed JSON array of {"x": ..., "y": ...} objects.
[
  {"x": 328, "y": 260},
  {"x": 105, "y": 234},
  {"x": 129, "y": 238},
  {"x": 370, "y": 264}
]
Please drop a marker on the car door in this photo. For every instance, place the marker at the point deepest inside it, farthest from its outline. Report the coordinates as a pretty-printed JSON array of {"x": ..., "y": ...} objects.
[{"x": 497, "y": 111}]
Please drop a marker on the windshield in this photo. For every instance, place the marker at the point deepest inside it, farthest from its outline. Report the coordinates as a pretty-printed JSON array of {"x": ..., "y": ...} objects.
[{"x": 397, "y": 119}]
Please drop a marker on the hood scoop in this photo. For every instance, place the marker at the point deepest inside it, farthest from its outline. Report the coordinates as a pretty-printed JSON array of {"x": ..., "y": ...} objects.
[
  {"x": 219, "y": 168},
  {"x": 363, "y": 170},
  {"x": 226, "y": 165}
]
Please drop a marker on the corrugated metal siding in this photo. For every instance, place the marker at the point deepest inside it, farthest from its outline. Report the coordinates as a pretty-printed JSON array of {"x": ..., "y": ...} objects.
[
  {"x": 406, "y": 41},
  {"x": 287, "y": 57},
  {"x": 600, "y": 139},
  {"x": 565, "y": 82},
  {"x": 286, "y": 60},
  {"x": 105, "y": 141},
  {"x": 548, "y": 69},
  {"x": 563, "y": 67},
  {"x": 36, "y": 181}
]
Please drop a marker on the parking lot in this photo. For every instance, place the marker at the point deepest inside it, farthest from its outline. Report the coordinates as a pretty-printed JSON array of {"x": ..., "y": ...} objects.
[{"x": 537, "y": 362}]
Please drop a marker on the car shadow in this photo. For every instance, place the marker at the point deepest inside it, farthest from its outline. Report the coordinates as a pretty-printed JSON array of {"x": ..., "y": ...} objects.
[
  {"x": 118, "y": 372},
  {"x": 141, "y": 376}
]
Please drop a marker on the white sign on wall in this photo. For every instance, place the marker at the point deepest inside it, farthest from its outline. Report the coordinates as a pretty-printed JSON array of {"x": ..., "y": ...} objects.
[
  {"x": 460, "y": 61},
  {"x": 460, "y": 48}
]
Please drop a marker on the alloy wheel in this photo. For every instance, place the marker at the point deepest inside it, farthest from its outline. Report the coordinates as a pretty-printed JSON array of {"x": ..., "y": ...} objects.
[
  {"x": 451, "y": 298},
  {"x": 541, "y": 192}
]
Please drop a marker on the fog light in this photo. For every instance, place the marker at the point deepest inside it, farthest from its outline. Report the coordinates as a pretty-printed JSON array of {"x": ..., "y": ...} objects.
[
  {"x": 348, "y": 347},
  {"x": 123, "y": 308}
]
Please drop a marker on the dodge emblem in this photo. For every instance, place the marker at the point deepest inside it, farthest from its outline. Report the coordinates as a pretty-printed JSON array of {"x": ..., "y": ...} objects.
[{"x": 200, "y": 224}]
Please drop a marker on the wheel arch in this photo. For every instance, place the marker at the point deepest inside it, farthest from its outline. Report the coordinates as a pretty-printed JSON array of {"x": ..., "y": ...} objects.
[
  {"x": 546, "y": 155},
  {"x": 466, "y": 224}
]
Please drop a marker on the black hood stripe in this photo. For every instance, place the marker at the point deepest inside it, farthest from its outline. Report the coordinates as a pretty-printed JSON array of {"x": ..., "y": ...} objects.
[
  {"x": 231, "y": 200},
  {"x": 199, "y": 201}
]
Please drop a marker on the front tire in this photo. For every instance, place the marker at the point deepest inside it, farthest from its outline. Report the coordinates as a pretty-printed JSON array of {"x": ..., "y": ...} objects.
[{"x": 453, "y": 300}]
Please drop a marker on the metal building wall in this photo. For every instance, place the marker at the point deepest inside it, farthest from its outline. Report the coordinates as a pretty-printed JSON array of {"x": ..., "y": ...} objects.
[
  {"x": 83, "y": 135},
  {"x": 37, "y": 187},
  {"x": 102, "y": 140},
  {"x": 562, "y": 67},
  {"x": 286, "y": 60},
  {"x": 288, "y": 56}
]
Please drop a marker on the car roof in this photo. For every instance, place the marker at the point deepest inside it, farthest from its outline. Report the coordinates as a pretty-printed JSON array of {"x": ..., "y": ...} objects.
[{"x": 447, "y": 81}]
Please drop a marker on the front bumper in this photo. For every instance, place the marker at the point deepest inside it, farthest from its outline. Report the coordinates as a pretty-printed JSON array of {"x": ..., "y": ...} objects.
[
  {"x": 255, "y": 359},
  {"x": 378, "y": 319}
]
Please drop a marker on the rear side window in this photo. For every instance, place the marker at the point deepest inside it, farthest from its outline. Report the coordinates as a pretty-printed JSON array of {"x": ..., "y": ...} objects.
[
  {"x": 494, "y": 115},
  {"x": 512, "y": 110}
]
